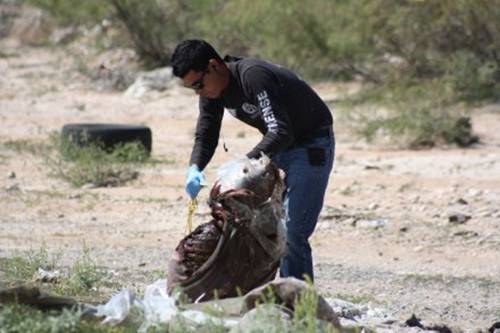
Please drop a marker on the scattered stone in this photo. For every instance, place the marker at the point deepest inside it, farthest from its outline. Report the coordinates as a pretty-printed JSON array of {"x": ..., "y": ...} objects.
[
  {"x": 46, "y": 276},
  {"x": 486, "y": 211},
  {"x": 63, "y": 35},
  {"x": 74, "y": 196},
  {"x": 13, "y": 188},
  {"x": 142, "y": 264},
  {"x": 418, "y": 248},
  {"x": 93, "y": 218},
  {"x": 404, "y": 229},
  {"x": 466, "y": 233},
  {"x": 33, "y": 26},
  {"x": 413, "y": 321},
  {"x": 157, "y": 80},
  {"x": 375, "y": 224},
  {"x": 371, "y": 167},
  {"x": 112, "y": 79},
  {"x": 474, "y": 192},
  {"x": 286, "y": 292},
  {"x": 9, "y": 10},
  {"x": 362, "y": 318},
  {"x": 60, "y": 216},
  {"x": 345, "y": 309},
  {"x": 264, "y": 318},
  {"x": 462, "y": 201},
  {"x": 89, "y": 186},
  {"x": 373, "y": 206},
  {"x": 12, "y": 175},
  {"x": 458, "y": 218}
]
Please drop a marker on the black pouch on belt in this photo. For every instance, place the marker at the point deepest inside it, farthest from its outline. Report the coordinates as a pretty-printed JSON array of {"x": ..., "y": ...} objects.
[{"x": 317, "y": 156}]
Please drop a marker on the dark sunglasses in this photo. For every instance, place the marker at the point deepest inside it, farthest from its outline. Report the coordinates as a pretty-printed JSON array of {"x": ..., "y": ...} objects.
[{"x": 198, "y": 84}]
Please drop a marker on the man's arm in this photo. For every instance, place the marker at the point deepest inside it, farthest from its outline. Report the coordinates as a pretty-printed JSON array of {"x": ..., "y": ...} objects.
[
  {"x": 264, "y": 87},
  {"x": 207, "y": 132}
]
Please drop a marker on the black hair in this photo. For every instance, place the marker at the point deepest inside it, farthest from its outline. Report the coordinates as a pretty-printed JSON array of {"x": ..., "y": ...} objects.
[{"x": 192, "y": 54}]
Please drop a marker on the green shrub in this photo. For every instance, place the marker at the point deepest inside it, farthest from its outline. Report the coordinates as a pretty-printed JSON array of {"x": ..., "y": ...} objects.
[
  {"x": 378, "y": 40},
  {"x": 74, "y": 12},
  {"x": 156, "y": 27},
  {"x": 18, "y": 318},
  {"x": 93, "y": 164},
  {"x": 412, "y": 115},
  {"x": 22, "y": 268},
  {"x": 84, "y": 275},
  {"x": 25, "y": 146}
]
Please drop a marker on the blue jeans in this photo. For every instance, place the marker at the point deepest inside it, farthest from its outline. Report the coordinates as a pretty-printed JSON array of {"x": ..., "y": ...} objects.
[{"x": 303, "y": 199}]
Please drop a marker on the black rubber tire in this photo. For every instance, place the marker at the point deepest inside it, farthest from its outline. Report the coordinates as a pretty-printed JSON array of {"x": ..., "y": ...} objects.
[{"x": 107, "y": 135}]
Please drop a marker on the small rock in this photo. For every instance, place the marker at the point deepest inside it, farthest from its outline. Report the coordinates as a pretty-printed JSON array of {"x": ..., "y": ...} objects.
[
  {"x": 47, "y": 276},
  {"x": 462, "y": 201},
  {"x": 474, "y": 192},
  {"x": 13, "y": 188},
  {"x": 373, "y": 206},
  {"x": 159, "y": 80},
  {"x": 466, "y": 233},
  {"x": 60, "y": 216},
  {"x": 74, "y": 196},
  {"x": 93, "y": 218},
  {"x": 33, "y": 27},
  {"x": 107, "y": 78},
  {"x": 371, "y": 167},
  {"x": 142, "y": 264},
  {"x": 12, "y": 175},
  {"x": 418, "y": 248},
  {"x": 403, "y": 229},
  {"x": 89, "y": 186},
  {"x": 458, "y": 218},
  {"x": 379, "y": 223},
  {"x": 63, "y": 35},
  {"x": 486, "y": 214}
]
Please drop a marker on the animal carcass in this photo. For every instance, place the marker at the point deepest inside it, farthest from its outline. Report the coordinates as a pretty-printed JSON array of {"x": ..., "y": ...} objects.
[{"x": 240, "y": 248}]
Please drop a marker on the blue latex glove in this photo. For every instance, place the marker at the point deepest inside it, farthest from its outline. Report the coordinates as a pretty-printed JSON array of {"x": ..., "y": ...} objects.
[{"x": 194, "y": 181}]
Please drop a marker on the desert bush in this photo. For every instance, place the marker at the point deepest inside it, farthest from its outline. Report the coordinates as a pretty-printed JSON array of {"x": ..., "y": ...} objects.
[
  {"x": 413, "y": 116},
  {"x": 21, "y": 268},
  {"x": 74, "y": 12},
  {"x": 84, "y": 275},
  {"x": 407, "y": 44},
  {"x": 93, "y": 164},
  {"x": 18, "y": 318},
  {"x": 155, "y": 27},
  {"x": 25, "y": 146},
  {"x": 455, "y": 40},
  {"x": 379, "y": 41},
  {"x": 81, "y": 279}
]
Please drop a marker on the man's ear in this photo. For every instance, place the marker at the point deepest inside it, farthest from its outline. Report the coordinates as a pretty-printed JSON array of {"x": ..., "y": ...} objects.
[{"x": 214, "y": 64}]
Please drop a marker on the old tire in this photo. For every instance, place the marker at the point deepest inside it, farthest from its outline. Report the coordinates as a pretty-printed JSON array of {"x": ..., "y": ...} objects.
[{"x": 108, "y": 136}]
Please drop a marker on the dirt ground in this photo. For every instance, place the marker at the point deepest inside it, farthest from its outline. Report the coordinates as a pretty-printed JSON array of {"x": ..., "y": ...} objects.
[{"x": 412, "y": 260}]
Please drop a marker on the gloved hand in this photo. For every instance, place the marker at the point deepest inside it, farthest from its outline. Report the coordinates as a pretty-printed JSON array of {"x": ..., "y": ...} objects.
[{"x": 194, "y": 181}]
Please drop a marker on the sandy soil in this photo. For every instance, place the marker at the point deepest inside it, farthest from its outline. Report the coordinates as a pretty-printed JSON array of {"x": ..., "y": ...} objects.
[{"x": 416, "y": 261}]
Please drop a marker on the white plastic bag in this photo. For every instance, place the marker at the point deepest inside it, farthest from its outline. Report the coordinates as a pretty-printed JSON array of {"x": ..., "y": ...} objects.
[
  {"x": 117, "y": 308},
  {"x": 158, "y": 307}
]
